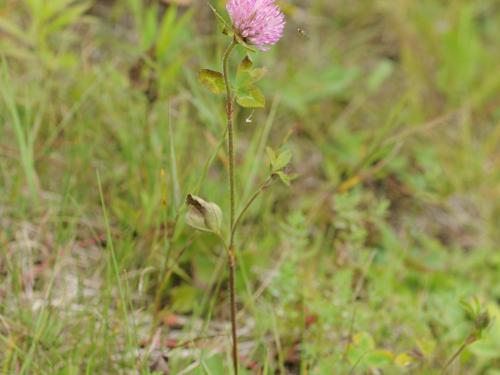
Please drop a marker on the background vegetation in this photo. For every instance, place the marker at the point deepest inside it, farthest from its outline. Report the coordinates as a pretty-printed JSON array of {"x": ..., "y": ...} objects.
[{"x": 360, "y": 266}]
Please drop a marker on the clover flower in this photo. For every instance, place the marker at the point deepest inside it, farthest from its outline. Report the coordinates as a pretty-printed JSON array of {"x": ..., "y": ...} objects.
[{"x": 257, "y": 22}]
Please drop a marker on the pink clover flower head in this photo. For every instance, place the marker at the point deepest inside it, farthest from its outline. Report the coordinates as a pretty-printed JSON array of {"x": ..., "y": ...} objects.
[{"x": 257, "y": 22}]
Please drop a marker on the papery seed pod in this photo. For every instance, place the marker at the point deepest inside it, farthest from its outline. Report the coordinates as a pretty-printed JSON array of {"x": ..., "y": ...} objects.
[{"x": 203, "y": 215}]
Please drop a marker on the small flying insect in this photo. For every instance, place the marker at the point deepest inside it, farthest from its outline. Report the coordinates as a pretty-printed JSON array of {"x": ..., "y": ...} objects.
[{"x": 302, "y": 32}]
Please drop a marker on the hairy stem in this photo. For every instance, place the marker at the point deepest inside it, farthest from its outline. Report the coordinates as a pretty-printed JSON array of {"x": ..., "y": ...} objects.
[
  {"x": 232, "y": 296},
  {"x": 230, "y": 135},
  {"x": 231, "y": 257}
]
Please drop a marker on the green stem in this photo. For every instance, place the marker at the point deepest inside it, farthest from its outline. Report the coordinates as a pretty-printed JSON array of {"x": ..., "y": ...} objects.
[
  {"x": 462, "y": 347},
  {"x": 229, "y": 114},
  {"x": 263, "y": 187},
  {"x": 232, "y": 298},
  {"x": 231, "y": 257}
]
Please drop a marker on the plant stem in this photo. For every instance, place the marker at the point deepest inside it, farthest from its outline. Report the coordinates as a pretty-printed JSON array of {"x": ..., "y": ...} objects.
[
  {"x": 232, "y": 296},
  {"x": 231, "y": 257},
  {"x": 263, "y": 187},
  {"x": 230, "y": 135},
  {"x": 467, "y": 342}
]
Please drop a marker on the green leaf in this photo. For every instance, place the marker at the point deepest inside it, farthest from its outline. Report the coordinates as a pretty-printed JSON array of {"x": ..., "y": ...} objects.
[
  {"x": 283, "y": 177},
  {"x": 184, "y": 298},
  {"x": 271, "y": 155},
  {"x": 68, "y": 16},
  {"x": 247, "y": 95},
  {"x": 282, "y": 160},
  {"x": 246, "y": 64},
  {"x": 250, "y": 97},
  {"x": 378, "y": 358},
  {"x": 364, "y": 341},
  {"x": 212, "y": 80},
  {"x": 377, "y": 77},
  {"x": 403, "y": 360},
  {"x": 362, "y": 344},
  {"x": 246, "y": 74},
  {"x": 211, "y": 366}
]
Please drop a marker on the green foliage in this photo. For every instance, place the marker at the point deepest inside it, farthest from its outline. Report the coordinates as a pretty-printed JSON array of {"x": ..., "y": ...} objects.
[
  {"x": 184, "y": 298},
  {"x": 250, "y": 97},
  {"x": 278, "y": 162},
  {"x": 247, "y": 95},
  {"x": 213, "y": 81}
]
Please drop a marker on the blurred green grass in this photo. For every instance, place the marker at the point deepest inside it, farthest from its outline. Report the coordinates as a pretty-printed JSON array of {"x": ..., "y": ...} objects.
[{"x": 391, "y": 111}]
